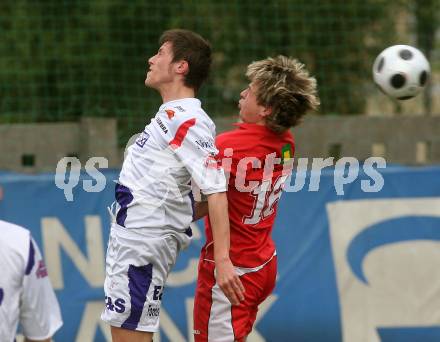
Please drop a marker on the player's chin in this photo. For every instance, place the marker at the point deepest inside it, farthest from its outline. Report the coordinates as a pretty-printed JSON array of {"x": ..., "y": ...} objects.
[
  {"x": 148, "y": 82},
  {"x": 241, "y": 113}
]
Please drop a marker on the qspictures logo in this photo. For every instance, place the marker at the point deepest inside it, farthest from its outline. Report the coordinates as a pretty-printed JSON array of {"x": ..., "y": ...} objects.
[{"x": 345, "y": 171}]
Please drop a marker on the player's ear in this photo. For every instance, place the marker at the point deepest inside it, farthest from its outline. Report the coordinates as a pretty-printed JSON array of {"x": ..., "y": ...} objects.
[
  {"x": 266, "y": 112},
  {"x": 182, "y": 67}
]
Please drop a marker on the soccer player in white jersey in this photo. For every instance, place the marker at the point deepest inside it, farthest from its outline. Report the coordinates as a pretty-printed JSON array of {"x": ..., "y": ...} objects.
[
  {"x": 26, "y": 294},
  {"x": 154, "y": 203}
]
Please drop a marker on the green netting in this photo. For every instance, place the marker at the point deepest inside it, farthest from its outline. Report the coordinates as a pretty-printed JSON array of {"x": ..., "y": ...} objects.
[{"x": 62, "y": 59}]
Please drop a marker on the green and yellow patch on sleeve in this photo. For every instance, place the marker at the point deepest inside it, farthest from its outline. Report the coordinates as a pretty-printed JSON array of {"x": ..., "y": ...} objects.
[{"x": 286, "y": 153}]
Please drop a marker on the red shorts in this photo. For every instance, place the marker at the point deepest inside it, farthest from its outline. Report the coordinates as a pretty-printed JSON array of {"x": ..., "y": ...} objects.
[{"x": 215, "y": 319}]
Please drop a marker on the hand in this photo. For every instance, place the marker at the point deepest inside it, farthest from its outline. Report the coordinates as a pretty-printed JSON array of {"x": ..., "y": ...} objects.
[{"x": 228, "y": 281}]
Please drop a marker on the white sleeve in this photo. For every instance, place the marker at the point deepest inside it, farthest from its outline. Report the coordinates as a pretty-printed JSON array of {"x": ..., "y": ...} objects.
[
  {"x": 197, "y": 194},
  {"x": 198, "y": 153},
  {"x": 193, "y": 143},
  {"x": 40, "y": 315}
]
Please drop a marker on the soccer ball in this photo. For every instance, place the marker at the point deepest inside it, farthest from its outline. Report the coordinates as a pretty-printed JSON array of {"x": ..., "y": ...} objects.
[{"x": 401, "y": 71}]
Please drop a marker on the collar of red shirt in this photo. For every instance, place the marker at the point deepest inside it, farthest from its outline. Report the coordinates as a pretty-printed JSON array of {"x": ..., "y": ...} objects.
[{"x": 251, "y": 126}]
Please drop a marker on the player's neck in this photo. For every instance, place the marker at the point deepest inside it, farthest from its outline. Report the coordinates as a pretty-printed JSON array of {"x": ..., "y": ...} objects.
[{"x": 176, "y": 92}]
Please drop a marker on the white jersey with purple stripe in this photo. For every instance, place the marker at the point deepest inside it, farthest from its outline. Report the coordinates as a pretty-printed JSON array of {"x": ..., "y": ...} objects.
[
  {"x": 26, "y": 295},
  {"x": 177, "y": 147}
]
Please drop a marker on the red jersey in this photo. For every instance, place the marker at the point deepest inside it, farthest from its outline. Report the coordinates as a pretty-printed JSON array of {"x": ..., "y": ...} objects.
[{"x": 255, "y": 184}]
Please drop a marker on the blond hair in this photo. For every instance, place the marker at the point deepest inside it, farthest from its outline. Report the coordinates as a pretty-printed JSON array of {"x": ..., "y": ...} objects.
[{"x": 284, "y": 85}]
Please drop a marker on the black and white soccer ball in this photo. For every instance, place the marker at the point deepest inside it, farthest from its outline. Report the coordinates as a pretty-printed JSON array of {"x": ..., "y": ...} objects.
[{"x": 401, "y": 71}]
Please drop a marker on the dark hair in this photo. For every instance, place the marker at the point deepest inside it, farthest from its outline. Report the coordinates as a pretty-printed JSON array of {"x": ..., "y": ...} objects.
[
  {"x": 285, "y": 85},
  {"x": 196, "y": 51}
]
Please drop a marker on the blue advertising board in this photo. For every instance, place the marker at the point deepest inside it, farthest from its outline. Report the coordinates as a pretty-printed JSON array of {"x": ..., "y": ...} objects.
[{"x": 357, "y": 266}]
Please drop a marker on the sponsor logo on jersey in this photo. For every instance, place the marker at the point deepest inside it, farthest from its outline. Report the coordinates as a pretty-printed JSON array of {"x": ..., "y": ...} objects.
[
  {"x": 1, "y": 296},
  {"x": 170, "y": 113},
  {"x": 41, "y": 270},
  {"x": 161, "y": 125},
  {"x": 157, "y": 294},
  {"x": 117, "y": 305},
  {"x": 142, "y": 139},
  {"x": 153, "y": 310},
  {"x": 205, "y": 144},
  {"x": 180, "y": 108}
]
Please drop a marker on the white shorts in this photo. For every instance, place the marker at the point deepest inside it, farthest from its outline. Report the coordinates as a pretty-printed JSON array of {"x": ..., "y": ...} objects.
[{"x": 137, "y": 266}]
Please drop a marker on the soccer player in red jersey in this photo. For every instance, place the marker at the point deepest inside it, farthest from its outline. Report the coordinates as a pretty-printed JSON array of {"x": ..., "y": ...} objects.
[{"x": 258, "y": 157}]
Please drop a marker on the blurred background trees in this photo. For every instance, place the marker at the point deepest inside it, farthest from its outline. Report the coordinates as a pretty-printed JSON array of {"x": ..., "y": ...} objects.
[{"x": 63, "y": 59}]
